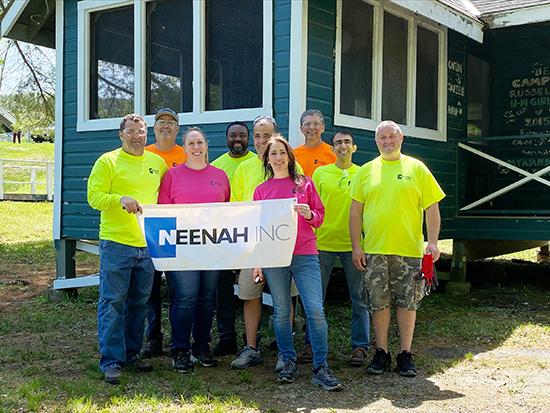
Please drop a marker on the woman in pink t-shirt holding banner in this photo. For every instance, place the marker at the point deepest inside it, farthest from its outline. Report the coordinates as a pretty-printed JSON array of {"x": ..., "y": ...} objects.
[
  {"x": 193, "y": 293},
  {"x": 283, "y": 181}
]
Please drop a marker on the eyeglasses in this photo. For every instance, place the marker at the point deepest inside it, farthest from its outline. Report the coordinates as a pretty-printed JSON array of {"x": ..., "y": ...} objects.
[
  {"x": 133, "y": 133},
  {"x": 345, "y": 174},
  {"x": 163, "y": 122},
  {"x": 315, "y": 124},
  {"x": 261, "y": 117},
  {"x": 347, "y": 142}
]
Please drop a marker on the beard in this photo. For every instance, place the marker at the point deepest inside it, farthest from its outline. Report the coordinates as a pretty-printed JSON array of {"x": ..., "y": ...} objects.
[{"x": 239, "y": 149}]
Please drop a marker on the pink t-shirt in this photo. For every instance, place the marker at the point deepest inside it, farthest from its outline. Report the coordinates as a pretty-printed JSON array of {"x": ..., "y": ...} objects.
[
  {"x": 182, "y": 185},
  {"x": 306, "y": 194}
]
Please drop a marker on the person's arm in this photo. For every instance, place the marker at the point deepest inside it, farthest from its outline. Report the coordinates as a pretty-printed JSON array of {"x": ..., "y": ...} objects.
[
  {"x": 314, "y": 210},
  {"x": 433, "y": 225},
  {"x": 165, "y": 189},
  {"x": 355, "y": 228},
  {"x": 99, "y": 185}
]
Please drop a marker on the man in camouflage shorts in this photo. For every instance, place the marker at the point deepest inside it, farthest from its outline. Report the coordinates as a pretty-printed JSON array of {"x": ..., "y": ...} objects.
[{"x": 389, "y": 197}]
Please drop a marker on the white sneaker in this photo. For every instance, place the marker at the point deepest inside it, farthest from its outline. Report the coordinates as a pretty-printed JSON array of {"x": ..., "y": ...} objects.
[{"x": 248, "y": 357}]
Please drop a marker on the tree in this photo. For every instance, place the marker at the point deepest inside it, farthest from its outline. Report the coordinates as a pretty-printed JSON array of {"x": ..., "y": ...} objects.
[{"x": 27, "y": 85}]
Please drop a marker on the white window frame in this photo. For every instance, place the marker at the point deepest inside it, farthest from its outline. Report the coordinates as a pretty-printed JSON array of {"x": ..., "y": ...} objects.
[
  {"x": 414, "y": 21},
  {"x": 199, "y": 115}
]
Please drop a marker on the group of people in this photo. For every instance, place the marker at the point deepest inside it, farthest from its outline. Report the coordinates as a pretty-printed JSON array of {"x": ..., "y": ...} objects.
[{"x": 370, "y": 217}]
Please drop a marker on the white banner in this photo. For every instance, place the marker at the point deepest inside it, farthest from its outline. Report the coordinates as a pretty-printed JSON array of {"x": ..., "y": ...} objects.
[{"x": 224, "y": 235}]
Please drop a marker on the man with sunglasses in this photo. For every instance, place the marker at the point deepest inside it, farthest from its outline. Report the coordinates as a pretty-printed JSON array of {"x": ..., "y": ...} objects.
[
  {"x": 120, "y": 181},
  {"x": 166, "y": 130},
  {"x": 333, "y": 241},
  {"x": 314, "y": 153}
]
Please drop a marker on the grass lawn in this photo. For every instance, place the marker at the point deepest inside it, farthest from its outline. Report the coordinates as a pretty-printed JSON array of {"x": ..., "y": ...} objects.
[
  {"x": 29, "y": 151},
  {"x": 485, "y": 352}
]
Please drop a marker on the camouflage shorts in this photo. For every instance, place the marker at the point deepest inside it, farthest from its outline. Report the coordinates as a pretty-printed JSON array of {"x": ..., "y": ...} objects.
[{"x": 391, "y": 279}]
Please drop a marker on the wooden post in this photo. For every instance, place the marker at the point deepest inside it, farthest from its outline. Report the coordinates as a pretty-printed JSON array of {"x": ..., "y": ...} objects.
[
  {"x": 33, "y": 180},
  {"x": 49, "y": 181},
  {"x": 1, "y": 179}
]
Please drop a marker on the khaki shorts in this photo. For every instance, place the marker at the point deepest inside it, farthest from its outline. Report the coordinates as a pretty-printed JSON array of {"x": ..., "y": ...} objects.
[
  {"x": 249, "y": 291},
  {"x": 392, "y": 279}
]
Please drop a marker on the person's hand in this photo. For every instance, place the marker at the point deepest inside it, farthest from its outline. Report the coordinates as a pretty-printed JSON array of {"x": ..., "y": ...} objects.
[
  {"x": 304, "y": 210},
  {"x": 431, "y": 248},
  {"x": 359, "y": 259},
  {"x": 258, "y": 276},
  {"x": 130, "y": 205}
]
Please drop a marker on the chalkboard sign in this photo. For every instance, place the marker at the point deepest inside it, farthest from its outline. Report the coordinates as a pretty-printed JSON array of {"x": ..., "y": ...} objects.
[
  {"x": 456, "y": 90},
  {"x": 524, "y": 106}
]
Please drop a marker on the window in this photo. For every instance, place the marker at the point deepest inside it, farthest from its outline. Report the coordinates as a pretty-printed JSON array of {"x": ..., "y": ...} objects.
[
  {"x": 390, "y": 64},
  {"x": 139, "y": 56}
]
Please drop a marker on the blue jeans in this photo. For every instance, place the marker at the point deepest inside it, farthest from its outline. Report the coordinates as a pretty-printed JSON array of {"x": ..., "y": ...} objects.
[
  {"x": 154, "y": 310},
  {"x": 125, "y": 281},
  {"x": 360, "y": 316},
  {"x": 307, "y": 275},
  {"x": 194, "y": 299}
]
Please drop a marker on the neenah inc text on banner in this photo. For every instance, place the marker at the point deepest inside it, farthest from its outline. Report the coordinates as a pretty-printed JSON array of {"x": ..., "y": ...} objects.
[{"x": 224, "y": 235}]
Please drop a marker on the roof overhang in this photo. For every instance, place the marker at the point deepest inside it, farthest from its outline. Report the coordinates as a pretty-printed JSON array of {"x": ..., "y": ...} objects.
[
  {"x": 446, "y": 16},
  {"x": 30, "y": 21},
  {"x": 518, "y": 17}
]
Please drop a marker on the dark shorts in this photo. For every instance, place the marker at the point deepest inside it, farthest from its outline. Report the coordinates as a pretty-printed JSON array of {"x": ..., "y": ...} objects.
[{"x": 392, "y": 279}]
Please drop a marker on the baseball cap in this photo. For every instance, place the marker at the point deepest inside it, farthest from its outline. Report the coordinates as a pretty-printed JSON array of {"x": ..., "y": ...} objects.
[{"x": 167, "y": 111}]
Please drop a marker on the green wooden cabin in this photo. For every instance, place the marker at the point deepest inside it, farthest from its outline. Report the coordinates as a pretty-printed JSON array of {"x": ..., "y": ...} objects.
[{"x": 469, "y": 81}]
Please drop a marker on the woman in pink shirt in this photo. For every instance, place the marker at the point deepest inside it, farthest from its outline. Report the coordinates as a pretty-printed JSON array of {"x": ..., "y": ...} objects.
[
  {"x": 193, "y": 293},
  {"x": 283, "y": 181}
]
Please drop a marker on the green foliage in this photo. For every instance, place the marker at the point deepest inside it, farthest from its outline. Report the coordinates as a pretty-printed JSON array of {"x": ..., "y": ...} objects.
[{"x": 31, "y": 113}]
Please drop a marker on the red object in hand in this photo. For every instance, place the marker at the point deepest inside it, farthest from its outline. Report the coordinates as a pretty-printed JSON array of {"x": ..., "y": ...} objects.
[{"x": 429, "y": 273}]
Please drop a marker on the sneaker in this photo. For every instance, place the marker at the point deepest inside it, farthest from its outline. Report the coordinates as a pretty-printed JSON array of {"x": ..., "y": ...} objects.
[
  {"x": 323, "y": 377},
  {"x": 380, "y": 362},
  {"x": 182, "y": 361},
  {"x": 306, "y": 356},
  {"x": 289, "y": 372},
  {"x": 112, "y": 376},
  {"x": 205, "y": 358},
  {"x": 152, "y": 348},
  {"x": 280, "y": 363},
  {"x": 248, "y": 357},
  {"x": 405, "y": 365},
  {"x": 358, "y": 357},
  {"x": 143, "y": 366},
  {"x": 225, "y": 347}
]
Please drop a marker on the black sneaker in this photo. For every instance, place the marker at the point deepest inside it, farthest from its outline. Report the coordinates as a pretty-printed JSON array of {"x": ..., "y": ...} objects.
[
  {"x": 405, "y": 365},
  {"x": 289, "y": 372},
  {"x": 152, "y": 348},
  {"x": 182, "y": 361},
  {"x": 380, "y": 362},
  {"x": 306, "y": 356},
  {"x": 113, "y": 375},
  {"x": 143, "y": 366},
  {"x": 225, "y": 347},
  {"x": 205, "y": 358}
]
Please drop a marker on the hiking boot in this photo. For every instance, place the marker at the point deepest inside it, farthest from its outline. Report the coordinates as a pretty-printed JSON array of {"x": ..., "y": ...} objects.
[
  {"x": 205, "y": 358},
  {"x": 405, "y": 365},
  {"x": 182, "y": 361},
  {"x": 225, "y": 347},
  {"x": 358, "y": 357},
  {"x": 248, "y": 357},
  {"x": 152, "y": 348},
  {"x": 380, "y": 362},
  {"x": 112, "y": 376},
  {"x": 143, "y": 366},
  {"x": 289, "y": 372},
  {"x": 306, "y": 356},
  {"x": 323, "y": 377},
  {"x": 280, "y": 363}
]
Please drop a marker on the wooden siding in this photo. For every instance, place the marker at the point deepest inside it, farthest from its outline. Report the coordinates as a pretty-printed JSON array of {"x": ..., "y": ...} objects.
[
  {"x": 81, "y": 149},
  {"x": 440, "y": 157}
]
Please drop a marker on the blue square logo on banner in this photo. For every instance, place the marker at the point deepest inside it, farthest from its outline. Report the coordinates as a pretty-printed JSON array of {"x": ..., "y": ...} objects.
[{"x": 160, "y": 236}]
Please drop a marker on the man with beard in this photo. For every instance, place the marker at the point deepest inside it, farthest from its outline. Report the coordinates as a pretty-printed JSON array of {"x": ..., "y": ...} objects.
[
  {"x": 166, "y": 130},
  {"x": 236, "y": 135}
]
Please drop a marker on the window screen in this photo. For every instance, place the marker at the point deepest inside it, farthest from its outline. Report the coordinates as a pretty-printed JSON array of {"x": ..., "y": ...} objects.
[
  {"x": 427, "y": 76},
  {"x": 394, "y": 72},
  {"x": 234, "y": 55},
  {"x": 170, "y": 55},
  {"x": 356, "y": 66},
  {"x": 112, "y": 63}
]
